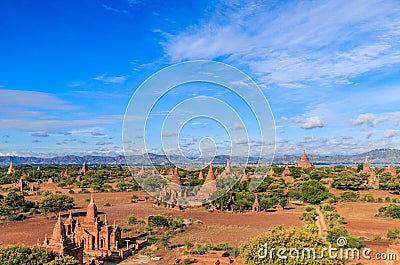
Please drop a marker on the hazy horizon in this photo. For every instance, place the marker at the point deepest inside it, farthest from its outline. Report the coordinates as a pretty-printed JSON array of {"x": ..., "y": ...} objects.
[{"x": 329, "y": 71}]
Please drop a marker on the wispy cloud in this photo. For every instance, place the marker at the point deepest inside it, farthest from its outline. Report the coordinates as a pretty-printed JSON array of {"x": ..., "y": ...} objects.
[
  {"x": 109, "y": 79},
  {"x": 32, "y": 99},
  {"x": 40, "y": 134},
  {"x": 291, "y": 44},
  {"x": 117, "y": 10}
]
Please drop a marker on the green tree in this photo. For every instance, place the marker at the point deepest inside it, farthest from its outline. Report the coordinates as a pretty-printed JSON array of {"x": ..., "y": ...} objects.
[
  {"x": 349, "y": 180},
  {"x": 55, "y": 203},
  {"x": 292, "y": 238},
  {"x": 22, "y": 255},
  {"x": 313, "y": 191}
]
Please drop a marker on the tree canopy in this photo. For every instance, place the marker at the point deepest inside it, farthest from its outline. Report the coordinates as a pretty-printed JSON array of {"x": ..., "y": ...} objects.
[{"x": 257, "y": 251}]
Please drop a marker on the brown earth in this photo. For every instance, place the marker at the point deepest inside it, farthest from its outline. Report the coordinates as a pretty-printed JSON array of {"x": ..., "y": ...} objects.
[{"x": 212, "y": 227}]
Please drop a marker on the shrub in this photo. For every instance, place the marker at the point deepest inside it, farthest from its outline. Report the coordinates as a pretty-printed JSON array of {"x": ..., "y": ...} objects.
[
  {"x": 368, "y": 197},
  {"x": 349, "y": 196}
]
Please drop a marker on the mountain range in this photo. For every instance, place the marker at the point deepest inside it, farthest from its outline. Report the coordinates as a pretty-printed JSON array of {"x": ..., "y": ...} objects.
[{"x": 377, "y": 157}]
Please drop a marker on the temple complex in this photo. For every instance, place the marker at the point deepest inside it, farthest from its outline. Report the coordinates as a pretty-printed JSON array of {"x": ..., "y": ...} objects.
[
  {"x": 62, "y": 244},
  {"x": 171, "y": 193},
  {"x": 390, "y": 169},
  {"x": 373, "y": 180},
  {"x": 92, "y": 236},
  {"x": 304, "y": 162}
]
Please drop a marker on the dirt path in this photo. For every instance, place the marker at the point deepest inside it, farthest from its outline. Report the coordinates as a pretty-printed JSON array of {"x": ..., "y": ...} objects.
[{"x": 321, "y": 223}]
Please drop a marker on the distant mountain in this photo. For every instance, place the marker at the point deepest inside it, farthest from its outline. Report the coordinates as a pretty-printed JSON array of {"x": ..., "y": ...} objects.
[{"x": 379, "y": 156}]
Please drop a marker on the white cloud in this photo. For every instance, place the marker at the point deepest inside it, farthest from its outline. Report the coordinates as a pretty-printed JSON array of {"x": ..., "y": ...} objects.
[
  {"x": 375, "y": 119},
  {"x": 237, "y": 126},
  {"x": 313, "y": 122},
  {"x": 391, "y": 133},
  {"x": 40, "y": 134},
  {"x": 168, "y": 134}
]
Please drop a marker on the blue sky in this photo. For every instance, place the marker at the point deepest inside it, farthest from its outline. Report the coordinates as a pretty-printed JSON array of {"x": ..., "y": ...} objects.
[{"x": 329, "y": 69}]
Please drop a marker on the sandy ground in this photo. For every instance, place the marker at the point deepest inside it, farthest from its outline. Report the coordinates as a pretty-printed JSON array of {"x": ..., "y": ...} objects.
[{"x": 213, "y": 227}]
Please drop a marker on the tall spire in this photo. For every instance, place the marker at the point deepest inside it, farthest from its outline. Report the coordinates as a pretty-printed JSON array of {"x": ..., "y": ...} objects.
[
  {"x": 59, "y": 229},
  {"x": 10, "y": 169},
  {"x": 201, "y": 174},
  {"x": 175, "y": 178},
  {"x": 210, "y": 176},
  {"x": 244, "y": 176},
  {"x": 91, "y": 212},
  {"x": 228, "y": 167}
]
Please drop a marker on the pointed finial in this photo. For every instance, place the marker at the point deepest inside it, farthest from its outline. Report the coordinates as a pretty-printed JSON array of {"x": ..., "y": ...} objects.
[
  {"x": 91, "y": 198},
  {"x": 105, "y": 219}
]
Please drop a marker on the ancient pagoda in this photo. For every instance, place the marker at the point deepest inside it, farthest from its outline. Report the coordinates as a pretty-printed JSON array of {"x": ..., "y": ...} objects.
[
  {"x": 304, "y": 162},
  {"x": 373, "y": 179}
]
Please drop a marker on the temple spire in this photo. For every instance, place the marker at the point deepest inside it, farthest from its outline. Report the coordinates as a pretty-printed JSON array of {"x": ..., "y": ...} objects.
[
  {"x": 210, "y": 176},
  {"x": 175, "y": 178},
  {"x": 244, "y": 176},
  {"x": 59, "y": 229},
  {"x": 91, "y": 212}
]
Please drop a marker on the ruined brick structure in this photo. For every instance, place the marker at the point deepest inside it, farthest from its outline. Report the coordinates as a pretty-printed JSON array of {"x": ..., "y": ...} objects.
[
  {"x": 373, "y": 179},
  {"x": 256, "y": 205},
  {"x": 62, "y": 244}
]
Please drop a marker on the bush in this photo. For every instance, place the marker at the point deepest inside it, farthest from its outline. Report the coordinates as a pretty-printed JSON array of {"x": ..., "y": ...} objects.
[
  {"x": 392, "y": 234},
  {"x": 132, "y": 220},
  {"x": 313, "y": 191},
  {"x": 349, "y": 196},
  {"x": 368, "y": 197}
]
